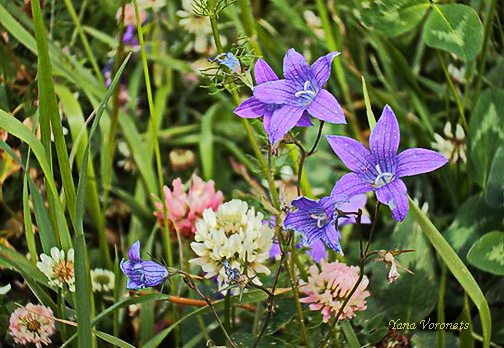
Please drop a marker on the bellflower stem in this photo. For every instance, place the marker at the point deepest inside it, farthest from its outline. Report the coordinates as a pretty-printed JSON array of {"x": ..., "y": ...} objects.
[{"x": 363, "y": 257}]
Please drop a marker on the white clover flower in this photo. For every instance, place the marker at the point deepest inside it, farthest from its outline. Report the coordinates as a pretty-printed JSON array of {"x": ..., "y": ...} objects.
[
  {"x": 200, "y": 27},
  {"x": 102, "y": 279},
  {"x": 58, "y": 268},
  {"x": 452, "y": 146},
  {"x": 234, "y": 233},
  {"x": 151, "y": 4}
]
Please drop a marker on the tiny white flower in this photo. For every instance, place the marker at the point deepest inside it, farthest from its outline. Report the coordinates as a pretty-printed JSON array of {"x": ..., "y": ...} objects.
[
  {"x": 102, "y": 279},
  {"x": 234, "y": 233},
  {"x": 58, "y": 268}
]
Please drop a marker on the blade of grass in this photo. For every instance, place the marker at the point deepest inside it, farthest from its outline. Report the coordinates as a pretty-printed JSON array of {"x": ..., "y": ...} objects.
[
  {"x": 84, "y": 301},
  {"x": 48, "y": 109},
  {"x": 112, "y": 340},
  {"x": 206, "y": 142},
  {"x": 75, "y": 118},
  {"x": 17, "y": 129},
  {"x": 457, "y": 268}
]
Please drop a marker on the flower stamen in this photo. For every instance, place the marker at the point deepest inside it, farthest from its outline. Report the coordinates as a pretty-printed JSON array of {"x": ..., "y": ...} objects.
[
  {"x": 383, "y": 178},
  {"x": 321, "y": 219},
  {"x": 307, "y": 90}
]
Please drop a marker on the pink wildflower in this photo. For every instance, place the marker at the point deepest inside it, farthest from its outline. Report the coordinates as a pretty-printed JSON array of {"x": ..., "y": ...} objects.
[
  {"x": 186, "y": 208},
  {"x": 32, "y": 324},
  {"x": 327, "y": 290},
  {"x": 129, "y": 15}
]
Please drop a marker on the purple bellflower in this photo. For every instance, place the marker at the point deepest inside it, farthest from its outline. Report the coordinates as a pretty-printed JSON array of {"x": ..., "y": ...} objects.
[
  {"x": 291, "y": 99},
  {"x": 317, "y": 220},
  {"x": 142, "y": 274},
  {"x": 129, "y": 36},
  {"x": 380, "y": 168},
  {"x": 254, "y": 108}
]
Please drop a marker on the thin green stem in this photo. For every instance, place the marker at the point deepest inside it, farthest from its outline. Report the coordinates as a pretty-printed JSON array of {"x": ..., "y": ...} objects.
[
  {"x": 363, "y": 257},
  {"x": 154, "y": 130},
  {"x": 487, "y": 31},
  {"x": 454, "y": 91},
  {"x": 85, "y": 41},
  {"x": 295, "y": 290},
  {"x": 441, "y": 334},
  {"x": 250, "y": 25}
]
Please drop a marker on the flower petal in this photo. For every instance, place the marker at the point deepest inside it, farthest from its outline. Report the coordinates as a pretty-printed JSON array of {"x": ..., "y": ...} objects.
[
  {"x": 351, "y": 184},
  {"x": 305, "y": 203},
  {"x": 133, "y": 285},
  {"x": 251, "y": 108},
  {"x": 317, "y": 251},
  {"x": 384, "y": 140},
  {"x": 134, "y": 252},
  {"x": 263, "y": 72},
  {"x": 326, "y": 108},
  {"x": 267, "y": 121},
  {"x": 321, "y": 69},
  {"x": 296, "y": 68},
  {"x": 282, "y": 121},
  {"x": 332, "y": 238},
  {"x": 305, "y": 121},
  {"x": 276, "y": 92},
  {"x": 154, "y": 273},
  {"x": 418, "y": 161},
  {"x": 352, "y": 153},
  {"x": 395, "y": 195}
]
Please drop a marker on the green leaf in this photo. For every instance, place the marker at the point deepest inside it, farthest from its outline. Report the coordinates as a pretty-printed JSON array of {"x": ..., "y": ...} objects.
[
  {"x": 472, "y": 220},
  {"x": 393, "y": 17},
  {"x": 494, "y": 192},
  {"x": 246, "y": 340},
  {"x": 249, "y": 297},
  {"x": 112, "y": 340},
  {"x": 351, "y": 337},
  {"x": 84, "y": 300},
  {"x": 426, "y": 339},
  {"x": 369, "y": 111},
  {"x": 48, "y": 109},
  {"x": 487, "y": 253},
  {"x": 17, "y": 129},
  {"x": 283, "y": 314},
  {"x": 486, "y": 135},
  {"x": 456, "y": 29},
  {"x": 458, "y": 269}
]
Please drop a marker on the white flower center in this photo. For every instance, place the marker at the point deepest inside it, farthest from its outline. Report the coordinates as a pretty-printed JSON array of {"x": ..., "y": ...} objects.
[
  {"x": 383, "y": 178},
  {"x": 309, "y": 91},
  {"x": 321, "y": 219}
]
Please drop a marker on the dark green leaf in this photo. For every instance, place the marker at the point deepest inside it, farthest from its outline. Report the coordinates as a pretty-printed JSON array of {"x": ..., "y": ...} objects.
[
  {"x": 487, "y": 253},
  {"x": 454, "y": 28}
]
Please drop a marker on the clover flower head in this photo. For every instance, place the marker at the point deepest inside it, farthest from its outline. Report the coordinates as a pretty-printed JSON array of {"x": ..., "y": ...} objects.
[
  {"x": 328, "y": 287},
  {"x": 102, "y": 280},
  {"x": 184, "y": 209},
  {"x": 380, "y": 168},
  {"x": 292, "y": 99},
  {"x": 59, "y": 268},
  {"x": 142, "y": 274},
  {"x": 32, "y": 324},
  {"x": 233, "y": 237},
  {"x": 452, "y": 144},
  {"x": 129, "y": 15}
]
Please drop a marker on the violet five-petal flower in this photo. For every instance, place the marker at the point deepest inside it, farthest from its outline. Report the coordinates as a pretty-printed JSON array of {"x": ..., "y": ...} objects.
[
  {"x": 142, "y": 274},
  {"x": 316, "y": 220},
  {"x": 288, "y": 101},
  {"x": 380, "y": 168},
  {"x": 254, "y": 108}
]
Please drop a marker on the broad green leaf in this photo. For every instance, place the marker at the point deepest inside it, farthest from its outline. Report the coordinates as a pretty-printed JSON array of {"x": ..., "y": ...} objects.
[
  {"x": 486, "y": 135},
  {"x": 283, "y": 314},
  {"x": 487, "y": 253},
  {"x": 454, "y": 28},
  {"x": 494, "y": 192},
  {"x": 351, "y": 338},
  {"x": 457, "y": 268},
  {"x": 473, "y": 219},
  {"x": 393, "y": 17}
]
